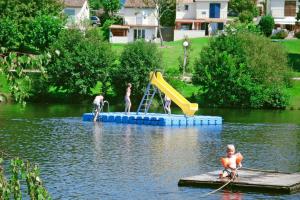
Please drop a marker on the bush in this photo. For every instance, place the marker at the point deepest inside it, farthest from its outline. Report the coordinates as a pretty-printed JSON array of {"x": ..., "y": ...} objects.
[
  {"x": 105, "y": 28},
  {"x": 297, "y": 34},
  {"x": 78, "y": 61},
  {"x": 137, "y": 60},
  {"x": 243, "y": 70},
  {"x": 246, "y": 16},
  {"x": 281, "y": 34},
  {"x": 266, "y": 25}
]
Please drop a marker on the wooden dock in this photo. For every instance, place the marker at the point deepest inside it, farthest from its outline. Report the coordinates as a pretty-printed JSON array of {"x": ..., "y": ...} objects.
[{"x": 251, "y": 180}]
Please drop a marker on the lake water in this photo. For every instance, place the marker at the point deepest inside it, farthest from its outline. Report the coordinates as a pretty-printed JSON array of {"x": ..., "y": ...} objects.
[{"x": 85, "y": 160}]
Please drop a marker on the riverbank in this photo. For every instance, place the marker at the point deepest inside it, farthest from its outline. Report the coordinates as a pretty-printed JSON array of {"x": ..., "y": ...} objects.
[{"x": 171, "y": 52}]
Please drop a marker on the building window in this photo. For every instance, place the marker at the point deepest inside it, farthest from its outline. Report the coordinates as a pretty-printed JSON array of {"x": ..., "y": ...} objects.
[
  {"x": 186, "y": 26},
  {"x": 214, "y": 10},
  {"x": 139, "y": 34},
  {"x": 69, "y": 11},
  {"x": 186, "y": 7},
  {"x": 290, "y": 8}
]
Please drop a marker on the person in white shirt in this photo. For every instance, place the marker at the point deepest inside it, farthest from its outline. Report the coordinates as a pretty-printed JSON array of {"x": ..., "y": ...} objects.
[{"x": 98, "y": 103}]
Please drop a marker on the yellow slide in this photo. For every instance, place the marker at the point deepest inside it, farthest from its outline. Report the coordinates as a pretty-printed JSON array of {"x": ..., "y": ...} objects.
[{"x": 186, "y": 107}]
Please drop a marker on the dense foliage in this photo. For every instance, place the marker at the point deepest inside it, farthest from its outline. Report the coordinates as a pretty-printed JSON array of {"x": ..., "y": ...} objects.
[
  {"x": 18, "y": 18},
  {"x": 137, "y": 61},
  {"x": 78, "y": 61},
  {"x": 266, "y": 25},
  {"x": 239, "y": 6},
  {"x": 243, "y": 69},
  {"x": 20, "y": 171},
  {"x": 27, "y": 28},
  {"x": 169, "y": 15},
  {"x": 95, "y": 4},
  {"x": 297, "y": 34},
  {"x": 281, "y": 34},
  {"x": 246, "y": 16}
]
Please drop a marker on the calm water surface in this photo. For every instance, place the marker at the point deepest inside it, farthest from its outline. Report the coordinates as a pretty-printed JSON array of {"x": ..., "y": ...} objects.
[{"x": 84, "y": 160}]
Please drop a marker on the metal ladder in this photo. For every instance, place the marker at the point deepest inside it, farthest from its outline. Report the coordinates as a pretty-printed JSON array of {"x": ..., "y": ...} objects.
[{"x": 146, "y": 101}]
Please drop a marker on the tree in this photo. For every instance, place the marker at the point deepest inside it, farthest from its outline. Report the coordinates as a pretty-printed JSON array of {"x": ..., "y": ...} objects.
[
  {"x": 137, "y": 61},
  {"x": 162, "y": 8},
  {"x": 20, "y": 15},
  {"x": 238, "y": 6},
  {"x": 27, "y": 28},
  {"x": 79, "y": 61},
  {"x": 266, "y": 24},
  {"x": 298, "y": 15},
  {"x": 243, "y": 69},
  {"x": 111, "y": 7}
]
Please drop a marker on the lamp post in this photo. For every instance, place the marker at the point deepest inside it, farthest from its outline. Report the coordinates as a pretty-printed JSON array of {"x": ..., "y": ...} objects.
[{"x": 185, "y": 45}]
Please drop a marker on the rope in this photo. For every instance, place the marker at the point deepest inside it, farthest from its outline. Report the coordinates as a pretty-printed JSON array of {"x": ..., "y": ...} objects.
[{"x": 214, "y": 191}]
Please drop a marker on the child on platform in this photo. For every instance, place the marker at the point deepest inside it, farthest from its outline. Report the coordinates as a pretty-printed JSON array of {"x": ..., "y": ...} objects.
[{"x": 231, "y": 162}]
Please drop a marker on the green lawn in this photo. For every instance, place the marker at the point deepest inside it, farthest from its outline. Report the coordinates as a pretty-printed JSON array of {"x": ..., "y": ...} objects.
[
  {"x": 292, "y": 46},
  {"x": 171, "y": 51}
]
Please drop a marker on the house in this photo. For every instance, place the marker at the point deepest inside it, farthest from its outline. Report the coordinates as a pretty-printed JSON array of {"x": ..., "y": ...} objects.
[
  {"x": 139, "y": 22},
  {"x": 77, "y": 11},
  {"x": 199, "y": 18},
  {"x": 283, "y": 12}
]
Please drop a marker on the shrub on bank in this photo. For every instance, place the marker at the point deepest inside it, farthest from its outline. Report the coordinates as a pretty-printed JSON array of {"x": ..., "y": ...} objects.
[
  {"x": 243, "y": 70},
  {"x": 281, "y": 34},
  {"x": 136, "y": 62},
  {"x": 78, "y": 61},
  {"x": 266, "y": 25},
  {"x": 297, "y": 34}
]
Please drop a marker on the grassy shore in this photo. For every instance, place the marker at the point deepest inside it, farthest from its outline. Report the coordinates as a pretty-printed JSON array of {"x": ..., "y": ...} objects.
[{"x": 171, "y": 51}]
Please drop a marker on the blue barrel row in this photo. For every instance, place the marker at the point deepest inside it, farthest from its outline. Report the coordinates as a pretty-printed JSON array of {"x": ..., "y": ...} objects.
[{"x": 153, "y": 119}]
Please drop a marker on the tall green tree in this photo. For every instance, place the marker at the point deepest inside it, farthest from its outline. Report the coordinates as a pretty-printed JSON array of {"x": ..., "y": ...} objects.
[
  {"x": 266, "y": 25},
  {"x": 27, "y": 28},
  {"x": 19, "y": 17},
  {"x": 137, "y": 61},
  {"x": 79, "y": 60},
  {"x": 238, "y": 6},
  {"x": 163, "y": 8},
  {"x": 243, "y": 69},
  {"x": 111, "y": 7}
]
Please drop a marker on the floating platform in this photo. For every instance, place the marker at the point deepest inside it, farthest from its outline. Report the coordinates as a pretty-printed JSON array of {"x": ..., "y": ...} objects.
[
  {"x": 157, "y": 119},
  {"x": 252, "y": 180}
]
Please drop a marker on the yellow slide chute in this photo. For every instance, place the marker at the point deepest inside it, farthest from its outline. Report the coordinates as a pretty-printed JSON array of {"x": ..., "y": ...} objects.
[{"x": 187, "y": 108}]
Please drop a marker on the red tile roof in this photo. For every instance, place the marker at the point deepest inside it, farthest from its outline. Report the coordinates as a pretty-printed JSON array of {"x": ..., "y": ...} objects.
[
  {"x": 139, "y": 4},
  {"x": 74, "y": 3}
]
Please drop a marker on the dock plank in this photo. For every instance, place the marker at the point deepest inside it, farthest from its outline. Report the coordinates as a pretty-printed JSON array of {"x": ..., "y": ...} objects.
[{"x": 274, "y": 182}]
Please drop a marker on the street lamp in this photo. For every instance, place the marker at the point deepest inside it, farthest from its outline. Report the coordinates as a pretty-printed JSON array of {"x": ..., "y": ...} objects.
[{"x": 185, "y": 45}]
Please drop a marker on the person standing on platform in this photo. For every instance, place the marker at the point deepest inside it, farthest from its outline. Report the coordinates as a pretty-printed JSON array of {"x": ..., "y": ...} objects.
[
  {"x": 127, "y": 99},
  {"x": 98, "y": 103}
]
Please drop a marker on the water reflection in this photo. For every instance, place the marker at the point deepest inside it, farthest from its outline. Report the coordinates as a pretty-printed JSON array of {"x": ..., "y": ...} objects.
[
  {"x": 229, "y": 195},
  {"x": 84, "y": 160}
]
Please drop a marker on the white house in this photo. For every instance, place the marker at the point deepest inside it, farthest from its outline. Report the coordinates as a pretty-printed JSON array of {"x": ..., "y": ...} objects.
[
  {"x": 77, "y": 11},
  {"x": 283, "y": 12},
  {"x": 139, "y": 23},
  {"x": 199, "y": 18}
]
